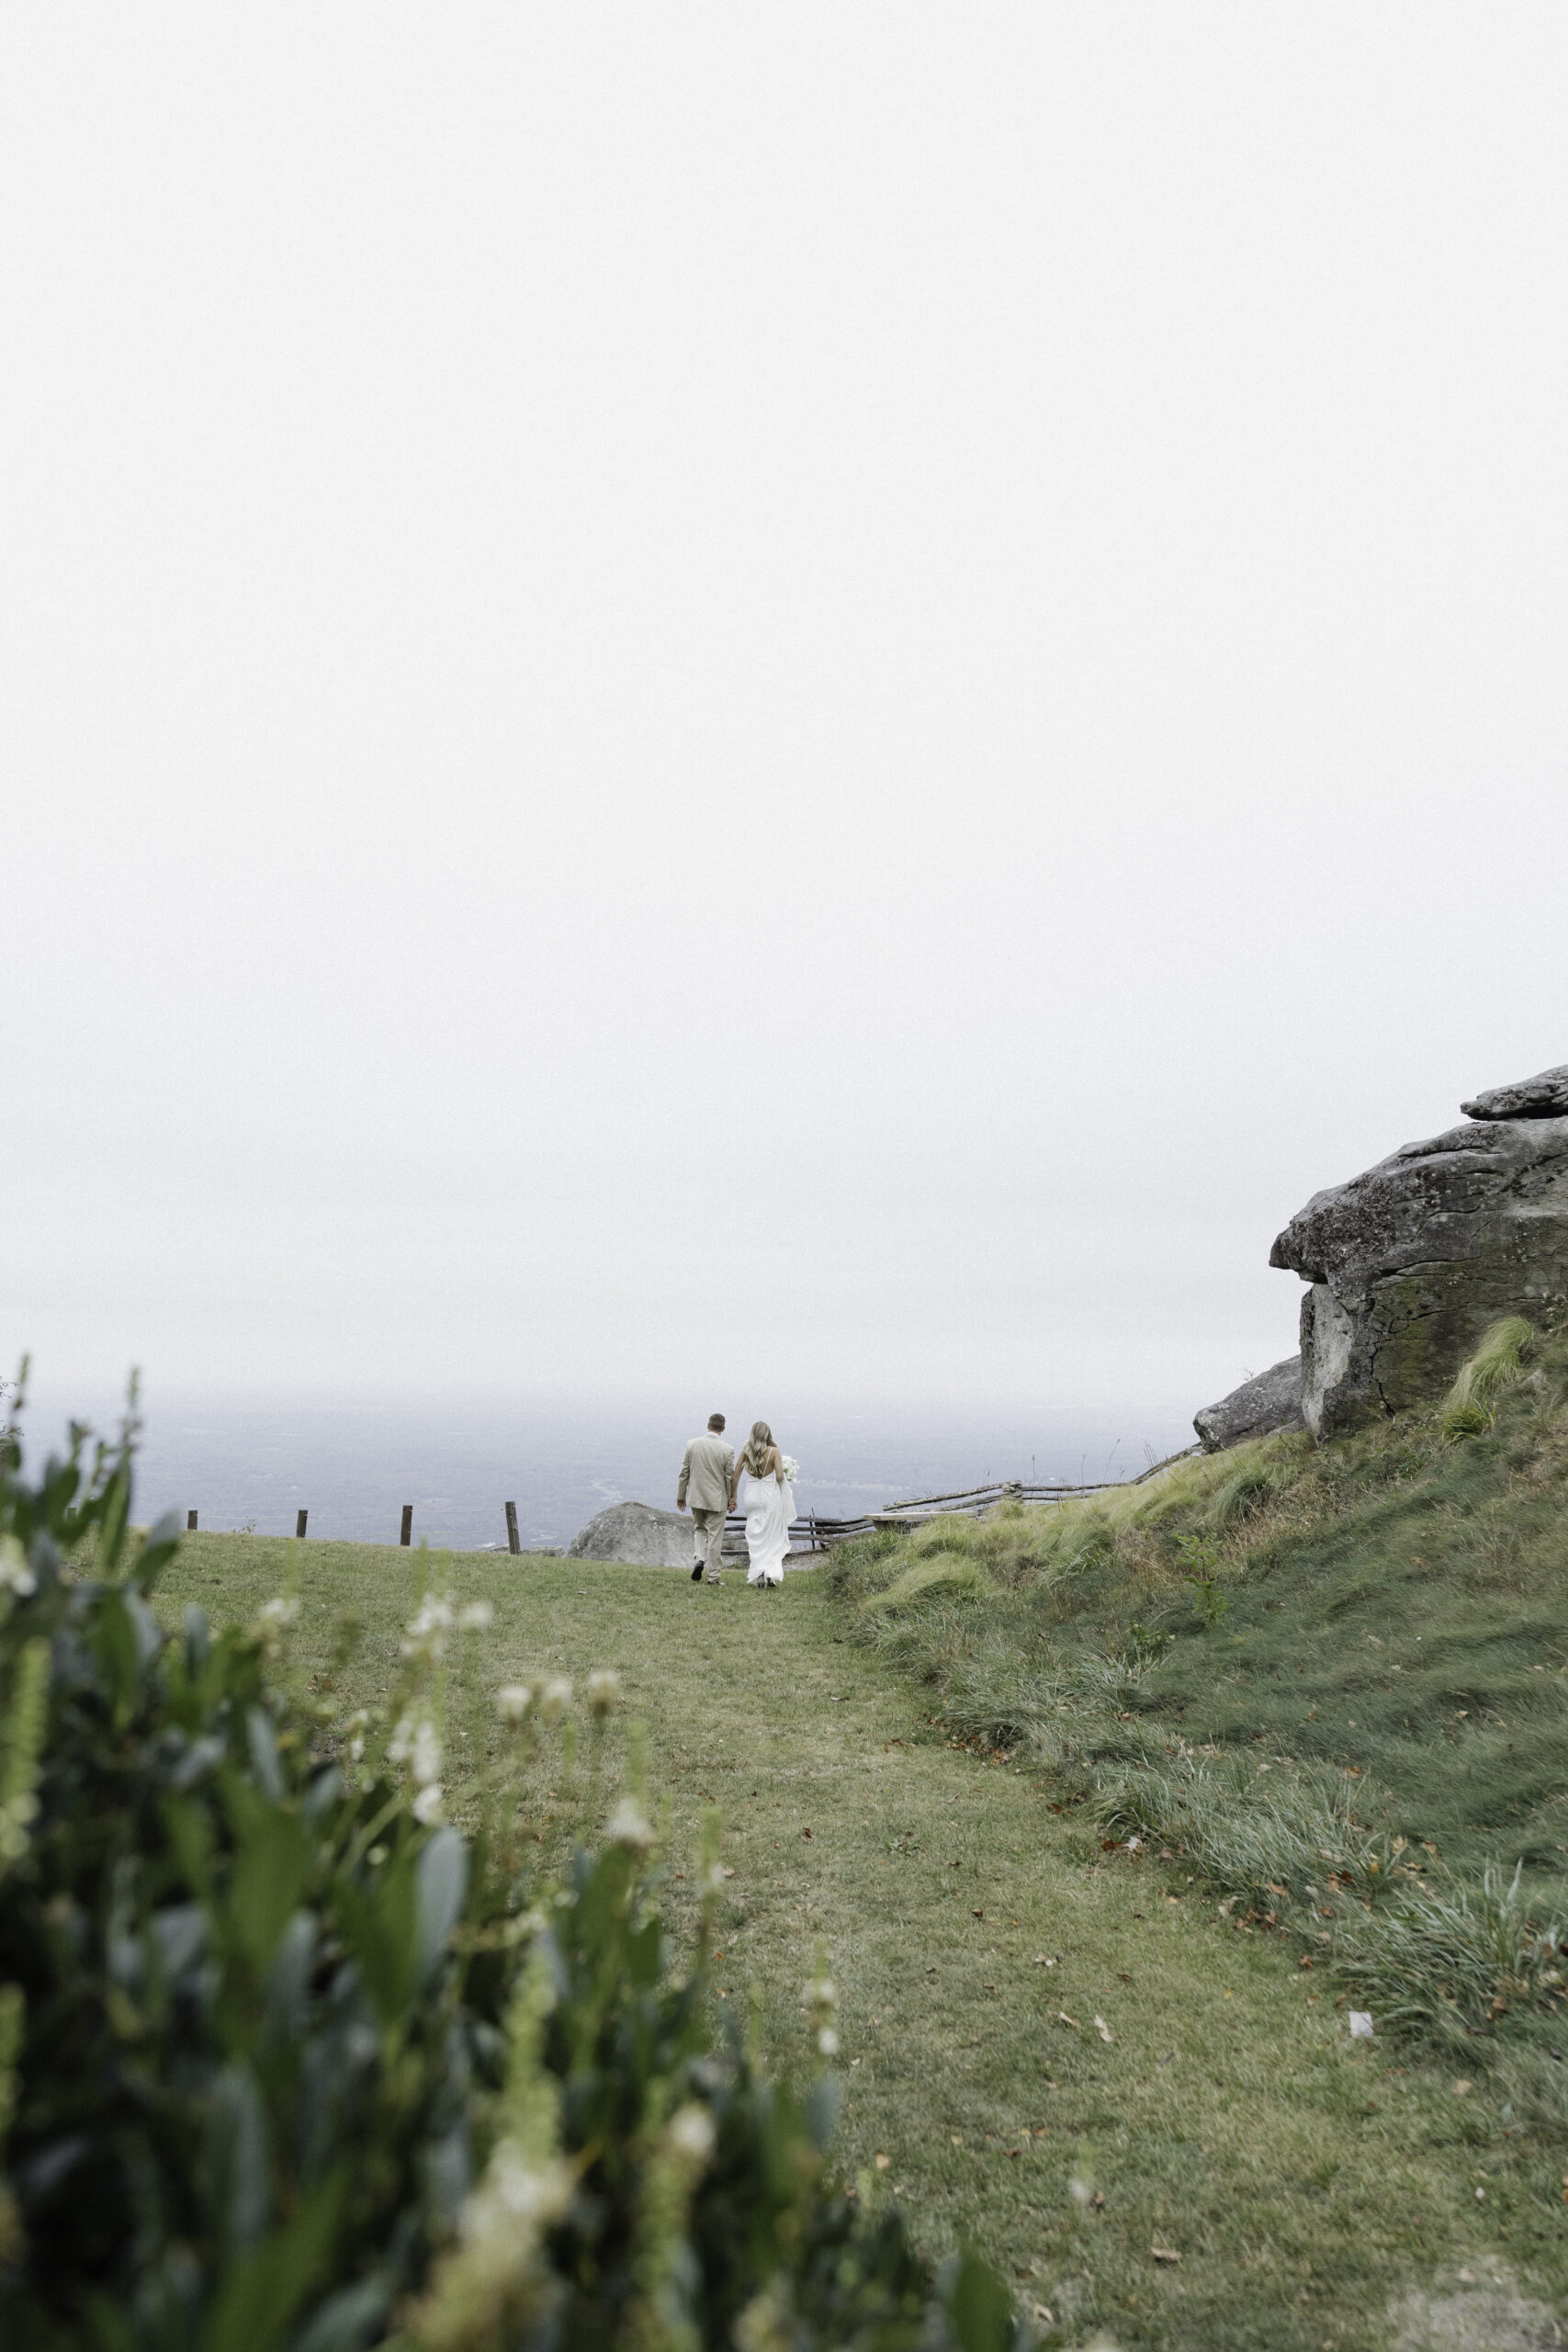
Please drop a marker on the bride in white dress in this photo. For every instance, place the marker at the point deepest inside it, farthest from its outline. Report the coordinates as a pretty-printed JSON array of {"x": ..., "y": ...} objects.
[{"x": 762, "y": 1489}]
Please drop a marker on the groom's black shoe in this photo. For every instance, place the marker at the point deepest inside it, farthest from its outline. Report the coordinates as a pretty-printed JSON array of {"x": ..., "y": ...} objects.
[{"x": 697, "y": 1573}]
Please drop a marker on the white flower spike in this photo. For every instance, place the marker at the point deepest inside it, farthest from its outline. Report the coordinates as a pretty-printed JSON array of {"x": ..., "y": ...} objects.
[
  {"x": 691, "y": 2133},
  {"x": 602, "y": 1692},
  {"x": 628, "y": 1826},
  {"x": 16, "y": 1576}
]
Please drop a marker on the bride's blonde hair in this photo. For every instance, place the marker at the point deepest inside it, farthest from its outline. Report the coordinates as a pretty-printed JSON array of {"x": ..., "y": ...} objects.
[{"x": 758, "y": 1445}]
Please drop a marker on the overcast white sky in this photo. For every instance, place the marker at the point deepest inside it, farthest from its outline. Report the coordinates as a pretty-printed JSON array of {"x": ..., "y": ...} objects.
[{"x": 831, "y": 693}]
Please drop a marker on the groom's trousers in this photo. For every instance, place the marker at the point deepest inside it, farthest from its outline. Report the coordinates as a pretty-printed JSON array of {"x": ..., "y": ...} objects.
[{"x": 707, "y": 1539}]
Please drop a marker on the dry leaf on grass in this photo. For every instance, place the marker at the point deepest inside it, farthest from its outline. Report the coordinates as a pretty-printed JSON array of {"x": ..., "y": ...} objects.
[
  {"x": 1066, "y": 2020},
  {"x": 883, "y": 2162},
  {"x": 1164, "y": 2254},
  {"x": 1102, "y": 2029}
]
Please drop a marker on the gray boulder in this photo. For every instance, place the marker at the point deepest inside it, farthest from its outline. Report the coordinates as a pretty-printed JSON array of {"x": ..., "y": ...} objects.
[
  {"x": 635, "y": 1532},
  {"x": 1542, "y": 1097},
  {"x": 1271, "y": 1401},
  {"x": 1410, "y": 1262}
]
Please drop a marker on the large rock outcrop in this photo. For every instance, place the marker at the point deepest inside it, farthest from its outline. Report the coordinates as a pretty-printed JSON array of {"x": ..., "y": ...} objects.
[
  {"x": 635, "y": 1532},
  {"x": 1271, "y": 1401},
  {"x": 1410, "y": 1262}
]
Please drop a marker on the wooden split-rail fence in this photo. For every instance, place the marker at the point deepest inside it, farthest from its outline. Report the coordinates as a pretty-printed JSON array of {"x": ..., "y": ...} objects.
[{"x": 816, "y": 1533}]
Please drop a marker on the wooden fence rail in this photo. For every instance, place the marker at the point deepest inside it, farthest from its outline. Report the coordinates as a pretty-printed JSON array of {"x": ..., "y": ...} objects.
[{"x": 815, "y": 1532}]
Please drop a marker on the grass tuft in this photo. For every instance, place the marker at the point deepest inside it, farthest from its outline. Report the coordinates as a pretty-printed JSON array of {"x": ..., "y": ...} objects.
[
  {"x": 955, "y": 1569},
  {"x": 1291, "y": 1834},
  {"x": 1470, "y": 1405},
  {"x": 1459, "y": 1958}
]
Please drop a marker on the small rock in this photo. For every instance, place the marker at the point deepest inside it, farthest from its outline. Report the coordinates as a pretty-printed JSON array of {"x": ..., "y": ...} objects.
[
  {"x": 635, "y": 1532},
  {"x": 1545, "y": 1096},
  {"x": 1273, "y": 1400}
]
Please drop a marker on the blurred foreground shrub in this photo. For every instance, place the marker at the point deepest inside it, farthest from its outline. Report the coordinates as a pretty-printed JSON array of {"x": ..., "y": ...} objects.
[{"x": 281, "y": 2069}]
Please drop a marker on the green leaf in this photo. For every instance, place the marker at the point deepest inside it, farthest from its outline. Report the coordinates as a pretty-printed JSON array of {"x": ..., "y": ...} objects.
[
  {"x": 111, "y": 2330},
  {"x": 346, "y": 2321},
  {"x": 235, "y": 2161},
  {"x": 441, "y": 1878},
  {"x": 61, "y": 1480},
  {"x": 268, "y": 1880},
  {"x": 378, "y": 1918},
  {"x": 263, "y": 1745},
  {"x": 977, "y": 2306},
  {"x": 162, "y": 1542},
  {"x": 191, "y": 1835},
  {"x": 112, "y": 1511},
  {"x": 262, "y": 2293},
  {"x": 116, "y": 1647}
]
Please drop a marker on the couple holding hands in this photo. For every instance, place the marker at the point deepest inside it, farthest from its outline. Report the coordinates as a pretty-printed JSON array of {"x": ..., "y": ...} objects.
[{"x": 761, "y": 1484}]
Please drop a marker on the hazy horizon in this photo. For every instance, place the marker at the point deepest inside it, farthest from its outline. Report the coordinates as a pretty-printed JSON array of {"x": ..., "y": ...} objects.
[{"x": 352, "y": 1462}]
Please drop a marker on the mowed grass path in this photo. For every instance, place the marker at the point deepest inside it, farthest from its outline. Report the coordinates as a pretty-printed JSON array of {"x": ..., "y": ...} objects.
[{"x": 1308, "y": 2183}]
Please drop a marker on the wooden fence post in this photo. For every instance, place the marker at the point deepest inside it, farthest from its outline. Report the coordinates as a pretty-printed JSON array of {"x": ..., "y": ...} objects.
[
  {"x": 190, "y": 1521},
  {"x": 300, "y": 1525},
  {"x": 511, "y": 1543},
  {"x": 407, "y": 1535}
]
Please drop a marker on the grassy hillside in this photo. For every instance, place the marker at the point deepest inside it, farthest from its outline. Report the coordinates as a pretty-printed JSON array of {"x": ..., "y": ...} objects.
[
  {"x": 1335, "y": 1680},
  {"x": 1316, "y": 2189}
]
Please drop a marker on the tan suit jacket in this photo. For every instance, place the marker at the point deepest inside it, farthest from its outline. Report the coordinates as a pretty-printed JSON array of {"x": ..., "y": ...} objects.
[{"x": 707, "y": 1466}]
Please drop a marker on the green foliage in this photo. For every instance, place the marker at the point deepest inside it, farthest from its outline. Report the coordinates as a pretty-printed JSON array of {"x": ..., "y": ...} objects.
[
  {"x": 1379, "y": 1621},
  {"x": 1470, "y": 1405},
  {"x": 646, "y": 2189},
  {"x": 1253, "y": 1835},
  {"x": 286, "y": 2065},
  {"x": 1200, "y": 1557},
  {"x": 1454, "y": 1961},
  {"x": 1248, "y": 1490},
  {"x": 246, "y": 2071}
]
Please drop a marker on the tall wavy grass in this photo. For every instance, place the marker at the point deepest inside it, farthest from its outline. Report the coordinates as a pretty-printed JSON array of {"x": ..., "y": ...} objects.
[
  {"x": 1026, "y": 1546},
  {"x": 1251, "y": 1833},
  {"x": 1471, "y": 1405},
  {"x": 1453, "y": 1959}
]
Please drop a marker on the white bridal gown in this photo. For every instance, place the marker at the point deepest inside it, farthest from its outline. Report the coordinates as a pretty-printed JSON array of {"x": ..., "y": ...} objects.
[{"x": 769, "y": 1506}]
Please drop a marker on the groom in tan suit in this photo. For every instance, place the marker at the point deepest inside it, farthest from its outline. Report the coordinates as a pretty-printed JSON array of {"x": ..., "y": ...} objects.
[{"x": 707, "y": 1468}]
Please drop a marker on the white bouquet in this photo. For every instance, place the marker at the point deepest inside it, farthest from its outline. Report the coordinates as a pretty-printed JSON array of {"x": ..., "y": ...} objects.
[{"x": 790, "y": 1468}]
